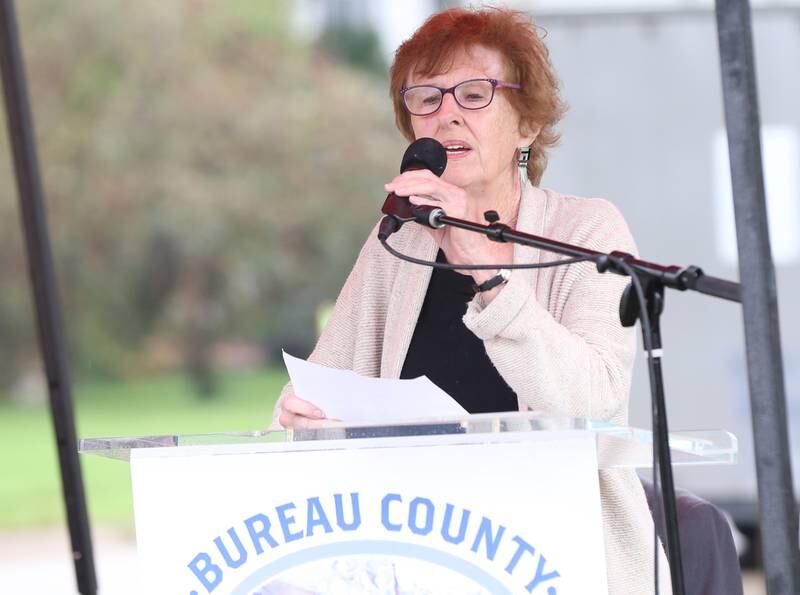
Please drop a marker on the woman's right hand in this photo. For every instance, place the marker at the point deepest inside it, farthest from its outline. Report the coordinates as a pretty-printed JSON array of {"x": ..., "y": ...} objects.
[{"x": 297, "y": 413}]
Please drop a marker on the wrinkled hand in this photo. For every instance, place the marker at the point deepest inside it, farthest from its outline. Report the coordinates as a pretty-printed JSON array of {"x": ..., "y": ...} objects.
[
  {"x": 298, "y": 414},
  {"x": 460, "y": 246}
]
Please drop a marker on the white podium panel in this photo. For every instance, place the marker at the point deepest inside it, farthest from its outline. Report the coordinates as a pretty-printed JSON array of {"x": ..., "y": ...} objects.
[
  {"x": 517, "y": 513},
  {"x": 484, "y": 504}
]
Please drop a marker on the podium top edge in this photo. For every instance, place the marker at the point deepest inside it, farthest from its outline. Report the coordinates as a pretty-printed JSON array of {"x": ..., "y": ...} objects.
[{"x": 691, "y": 447}]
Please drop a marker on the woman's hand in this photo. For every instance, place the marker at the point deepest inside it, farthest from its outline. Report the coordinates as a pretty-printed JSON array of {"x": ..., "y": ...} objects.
[
  {"x": 299, "y": 414},
  {"x": 460, "y": 246},
  {"x": 422, "y": 187}
]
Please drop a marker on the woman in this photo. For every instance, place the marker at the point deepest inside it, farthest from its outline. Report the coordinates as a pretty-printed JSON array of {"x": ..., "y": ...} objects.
[{"x": 547, "y": 340}]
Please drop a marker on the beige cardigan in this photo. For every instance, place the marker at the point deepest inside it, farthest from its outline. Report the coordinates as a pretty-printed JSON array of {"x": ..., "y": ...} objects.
[{"x": 553, "y": 334}]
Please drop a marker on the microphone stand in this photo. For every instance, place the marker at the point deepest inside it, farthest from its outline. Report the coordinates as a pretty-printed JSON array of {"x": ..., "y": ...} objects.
[{"x": 648, "y": 283}]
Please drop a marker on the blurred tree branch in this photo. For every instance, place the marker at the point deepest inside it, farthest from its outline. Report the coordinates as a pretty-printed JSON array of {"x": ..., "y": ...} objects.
[{"x": 206, "y": 177}]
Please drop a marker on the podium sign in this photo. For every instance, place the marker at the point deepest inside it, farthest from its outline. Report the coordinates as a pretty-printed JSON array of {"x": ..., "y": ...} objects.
[
  {"x": 470, "y": 514},
  {"x": 482, "y": 505}
]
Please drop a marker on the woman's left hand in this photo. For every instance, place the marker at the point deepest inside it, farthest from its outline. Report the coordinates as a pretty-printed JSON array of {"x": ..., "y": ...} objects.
[{"x": 460, "y": 246}]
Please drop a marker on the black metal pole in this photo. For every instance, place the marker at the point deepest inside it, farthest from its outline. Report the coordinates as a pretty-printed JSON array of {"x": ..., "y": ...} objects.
[
  {"x": 759, "y": 300},
  {"x": 654, "y": 307},
  {"x": 45, "y": 294}
]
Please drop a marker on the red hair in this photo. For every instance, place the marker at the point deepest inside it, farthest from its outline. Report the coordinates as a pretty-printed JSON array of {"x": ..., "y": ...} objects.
[{"x": 446, "y": 34}]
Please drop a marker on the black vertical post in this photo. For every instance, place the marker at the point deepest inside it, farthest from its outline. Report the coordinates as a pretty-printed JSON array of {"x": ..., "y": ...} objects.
[
  {"x": 655, "y": 306},
  {"x": 45, "y": 294},
  {"x": 759, "y": 300}
]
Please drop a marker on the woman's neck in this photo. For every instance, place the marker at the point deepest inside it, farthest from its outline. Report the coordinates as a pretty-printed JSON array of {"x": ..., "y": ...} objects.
[{"x": 503, "y": 196}]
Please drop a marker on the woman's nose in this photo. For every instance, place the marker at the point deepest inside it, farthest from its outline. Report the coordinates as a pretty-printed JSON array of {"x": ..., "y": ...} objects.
[{"x": 450, "y": 110}]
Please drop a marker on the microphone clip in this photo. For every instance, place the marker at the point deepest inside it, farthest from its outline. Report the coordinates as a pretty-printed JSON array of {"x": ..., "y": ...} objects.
[
  {"x": 399, "y": 210},
  {"x": 496, "y": 229}
]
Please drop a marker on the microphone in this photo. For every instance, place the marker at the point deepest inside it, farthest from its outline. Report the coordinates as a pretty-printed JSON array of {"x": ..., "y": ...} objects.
[{"x": 423, "y": 153}]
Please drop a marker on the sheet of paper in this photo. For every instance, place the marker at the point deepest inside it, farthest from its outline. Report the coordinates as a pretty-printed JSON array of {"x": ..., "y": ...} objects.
[{"x": 348, "y": 397}]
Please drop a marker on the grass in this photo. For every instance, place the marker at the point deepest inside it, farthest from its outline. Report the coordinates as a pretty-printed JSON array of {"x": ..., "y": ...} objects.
[{"x": 30, "y": 485}]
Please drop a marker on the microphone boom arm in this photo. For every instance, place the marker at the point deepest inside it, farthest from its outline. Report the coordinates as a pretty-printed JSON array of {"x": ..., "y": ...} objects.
[{"x": 672, "y": 276}]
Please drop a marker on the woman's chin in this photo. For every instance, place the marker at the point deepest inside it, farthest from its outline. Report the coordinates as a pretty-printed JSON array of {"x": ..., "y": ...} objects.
[{"x": 460, "y": 177}]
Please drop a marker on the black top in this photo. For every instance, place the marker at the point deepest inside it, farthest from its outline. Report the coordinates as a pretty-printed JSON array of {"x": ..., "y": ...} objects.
[{"x": 448, "y": 353}]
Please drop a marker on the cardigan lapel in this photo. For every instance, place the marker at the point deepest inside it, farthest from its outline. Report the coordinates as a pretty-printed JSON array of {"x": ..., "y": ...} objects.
[
  {"x": 405, "y": 302},
  {"x": 531, "y": 219}
]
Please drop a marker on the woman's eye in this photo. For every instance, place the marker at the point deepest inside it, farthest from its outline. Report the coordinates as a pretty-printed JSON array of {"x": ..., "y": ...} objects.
[{"x": 475, "y": 97}]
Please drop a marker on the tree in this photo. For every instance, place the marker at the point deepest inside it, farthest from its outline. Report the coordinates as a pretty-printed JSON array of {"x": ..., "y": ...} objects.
[{"x": 206, "y": 177}]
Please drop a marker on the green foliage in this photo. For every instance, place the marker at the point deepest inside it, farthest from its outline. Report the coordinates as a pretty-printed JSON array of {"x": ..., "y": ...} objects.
[
  {"x": 17, "y": 333},
  {"x": 267, "y": 19},
  {"x": 358, "y": 47},
  {"x": 207, "y": 178},
  {"x": 30, "y": 492}
]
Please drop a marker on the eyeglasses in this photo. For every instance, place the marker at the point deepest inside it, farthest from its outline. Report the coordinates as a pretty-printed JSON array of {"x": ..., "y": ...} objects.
[{"x": 423, "y": 100}]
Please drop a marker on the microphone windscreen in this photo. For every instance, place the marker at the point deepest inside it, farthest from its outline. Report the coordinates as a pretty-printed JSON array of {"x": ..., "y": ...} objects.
[{"x": 425, "y": 153}]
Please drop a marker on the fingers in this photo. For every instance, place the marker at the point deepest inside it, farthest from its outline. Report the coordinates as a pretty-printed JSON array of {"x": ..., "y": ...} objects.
[
  {"x": 427, "y": 189},
  {"x": 299, "y": 413},
  {"x": 421, "y": 200},
  {"x": 299, "y": 422},
  {"x": 302, "y": 407},
  {"x": 421, "y": 182},
  {"x": 416, "y": 174},
  {"x": 421, "y": 191}
]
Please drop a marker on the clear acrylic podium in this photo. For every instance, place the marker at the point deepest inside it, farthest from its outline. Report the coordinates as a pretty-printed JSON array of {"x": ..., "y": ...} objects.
[{"x": 485, "y": 504}]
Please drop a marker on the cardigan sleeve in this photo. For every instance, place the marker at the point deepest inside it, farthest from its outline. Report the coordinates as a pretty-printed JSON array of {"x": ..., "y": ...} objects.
[{"x": 558, "y": 341}]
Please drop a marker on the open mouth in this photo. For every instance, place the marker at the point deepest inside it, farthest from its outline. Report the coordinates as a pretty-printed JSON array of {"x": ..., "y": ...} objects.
[{"x": 455, "y": 149}]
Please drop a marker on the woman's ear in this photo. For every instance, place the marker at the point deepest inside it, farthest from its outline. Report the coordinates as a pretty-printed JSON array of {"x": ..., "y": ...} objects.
[{"x": 528, "y": 132}]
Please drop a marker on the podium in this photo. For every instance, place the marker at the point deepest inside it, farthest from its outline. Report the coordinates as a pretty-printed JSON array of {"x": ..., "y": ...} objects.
[{"x": 486, "y": 504}]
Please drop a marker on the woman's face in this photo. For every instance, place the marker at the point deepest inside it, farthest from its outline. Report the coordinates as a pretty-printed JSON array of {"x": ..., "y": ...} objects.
[{"x": 481, "y": 144}]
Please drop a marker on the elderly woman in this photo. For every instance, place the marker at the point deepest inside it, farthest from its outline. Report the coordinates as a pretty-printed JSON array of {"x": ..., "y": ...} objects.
[{"x": 547, "y": 340}]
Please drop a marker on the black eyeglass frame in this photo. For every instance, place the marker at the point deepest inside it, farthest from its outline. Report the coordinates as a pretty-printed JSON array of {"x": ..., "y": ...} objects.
[{"x": 496, "y": 84}]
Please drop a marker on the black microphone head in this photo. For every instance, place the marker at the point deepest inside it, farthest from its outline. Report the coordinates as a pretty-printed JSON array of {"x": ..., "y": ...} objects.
[{"x": 425, "y": 153}]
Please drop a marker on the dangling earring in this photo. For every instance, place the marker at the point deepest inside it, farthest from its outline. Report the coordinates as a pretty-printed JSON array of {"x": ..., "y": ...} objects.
[{"x": 523, "y": 156}]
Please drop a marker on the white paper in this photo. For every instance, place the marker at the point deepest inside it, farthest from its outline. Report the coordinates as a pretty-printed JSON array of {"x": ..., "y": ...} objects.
[{"x": 348, "y": 397}]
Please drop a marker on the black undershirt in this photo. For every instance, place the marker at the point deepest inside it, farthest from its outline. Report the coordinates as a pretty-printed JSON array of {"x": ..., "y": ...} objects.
[{"x": 448, "y": 353}]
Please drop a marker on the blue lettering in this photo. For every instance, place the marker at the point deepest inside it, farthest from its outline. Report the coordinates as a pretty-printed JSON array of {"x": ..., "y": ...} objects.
[
  {"x": 261, "y": 534},
  {"x": 413, "y": 516},
  {"x": 492, "y": 541},
  {"x": 201, "y": 566},
  {"x": 522, "y": 547},
  {"x": 385, "y": 512},
  {"x": 226, "y": 554},
  {"x": 540, "y": 577},
  {"x": 356, "y": 522},
  {"x": 448, "y": 518},
  {"x": 287, "y": 520},
  {"x": 316, "y": 517}
]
